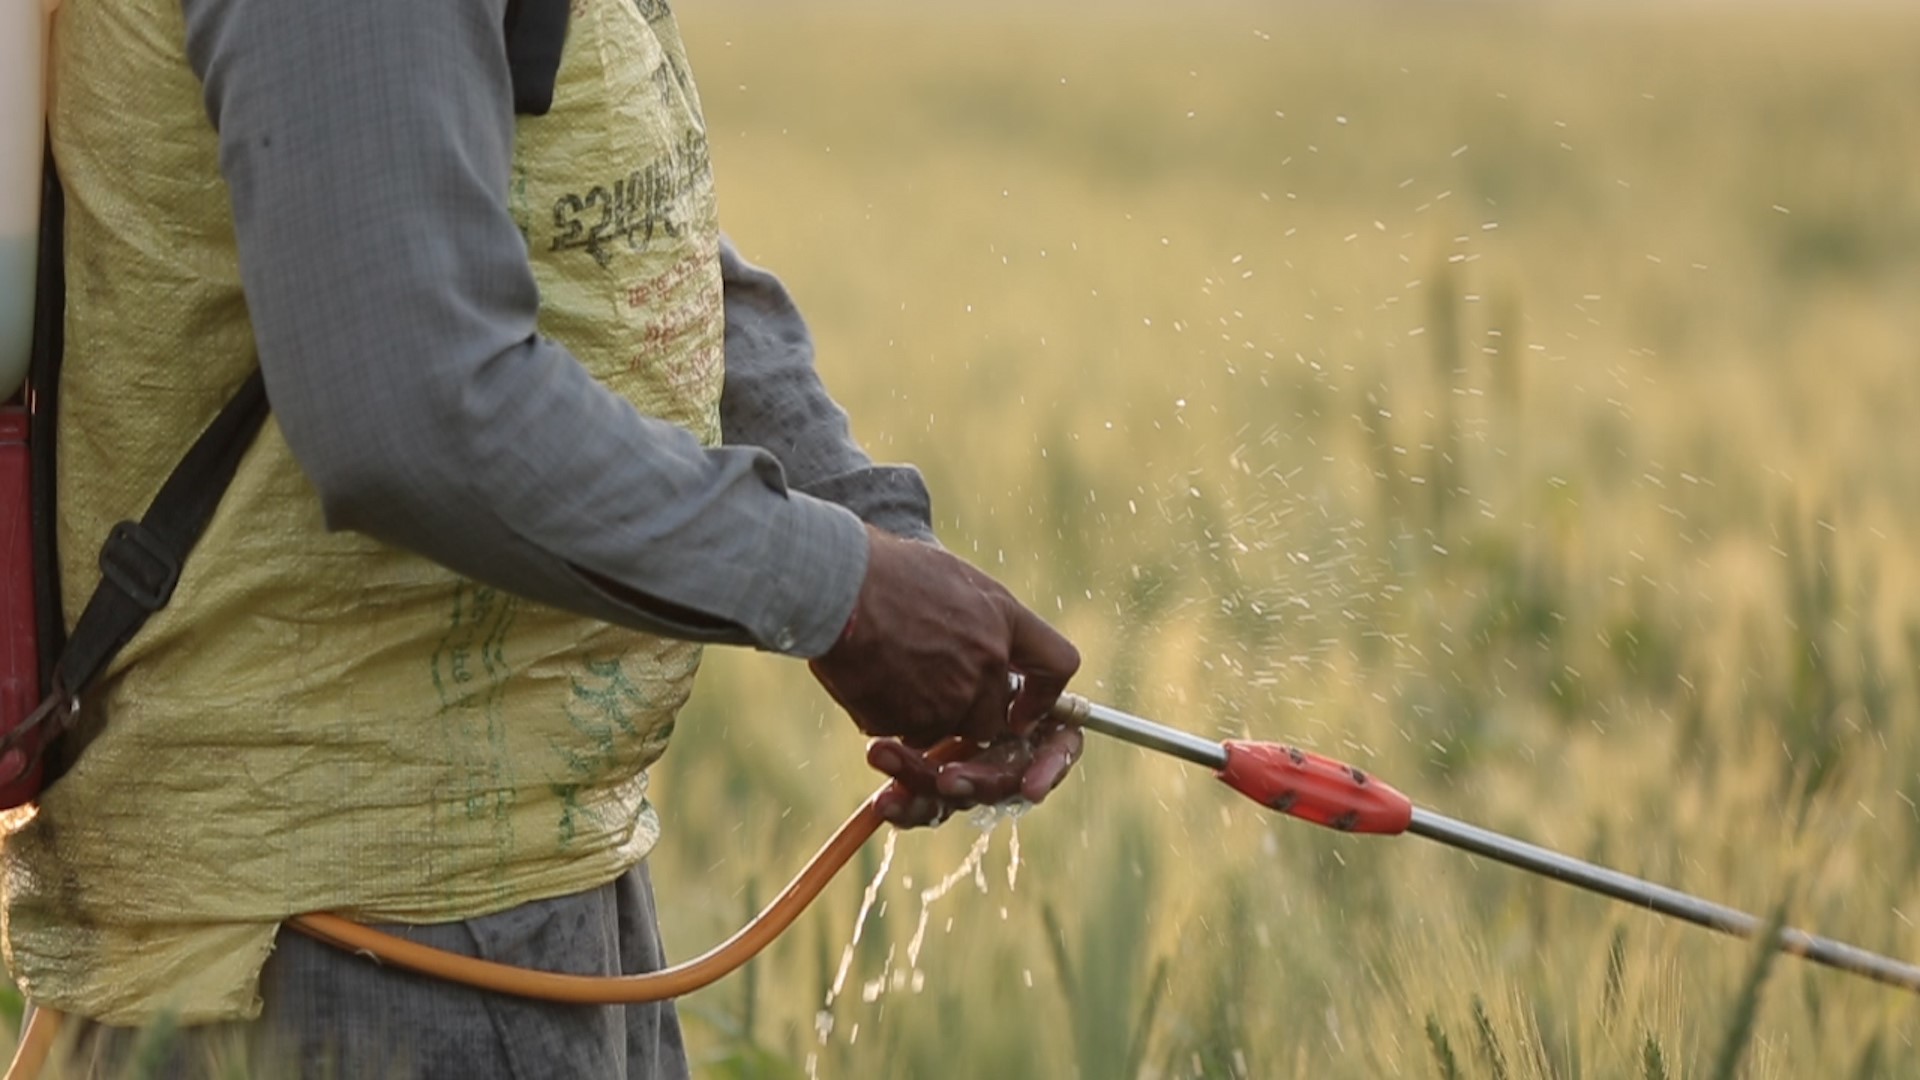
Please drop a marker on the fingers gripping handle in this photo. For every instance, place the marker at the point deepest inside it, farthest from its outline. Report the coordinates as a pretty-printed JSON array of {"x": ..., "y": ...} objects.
[{"x": 1314, "y": 788}]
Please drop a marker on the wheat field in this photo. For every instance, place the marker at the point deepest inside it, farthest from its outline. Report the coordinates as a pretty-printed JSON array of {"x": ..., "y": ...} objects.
[
  {"x": 1518, "y": 401},
  {"x": 1514, "y": 400}
]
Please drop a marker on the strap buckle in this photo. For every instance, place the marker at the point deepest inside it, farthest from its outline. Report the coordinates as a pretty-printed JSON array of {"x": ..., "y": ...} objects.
[{"x": 139, "y": 565}]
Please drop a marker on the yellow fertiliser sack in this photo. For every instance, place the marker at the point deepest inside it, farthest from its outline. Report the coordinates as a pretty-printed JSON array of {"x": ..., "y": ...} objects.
[{"x": 318, "y": 721}]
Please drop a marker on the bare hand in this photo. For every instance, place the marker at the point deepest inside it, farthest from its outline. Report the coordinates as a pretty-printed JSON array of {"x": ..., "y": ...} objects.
[
  {"x": 931, "y": 646},
  {"x": 924, "y": 793}
]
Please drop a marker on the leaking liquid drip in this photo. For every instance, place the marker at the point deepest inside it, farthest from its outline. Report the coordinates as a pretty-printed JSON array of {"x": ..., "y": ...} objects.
[
  {"x": 1013, "y": 851},
  {"x": 970, "y": 867},
  {"x": 823, "y": 1020},
  {"x": 860, "y": 921},
  {"x": 910, "y": 977}
]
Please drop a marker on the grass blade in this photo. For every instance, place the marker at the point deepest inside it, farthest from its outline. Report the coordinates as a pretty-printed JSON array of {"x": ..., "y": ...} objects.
[
  {"x": 1490, "y": 1051},
  {"x": 1746, "y": 1007},
  {"x": 1442, "y": 1050}
]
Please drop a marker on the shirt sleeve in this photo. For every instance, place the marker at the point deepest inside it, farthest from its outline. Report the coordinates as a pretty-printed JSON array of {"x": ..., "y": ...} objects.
[
  {"x": 774, "y": 399},
  {"x": 366, "y": 146}
]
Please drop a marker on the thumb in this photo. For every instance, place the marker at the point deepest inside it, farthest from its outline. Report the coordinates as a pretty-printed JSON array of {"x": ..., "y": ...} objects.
[{"x": 1045, "y": 660}]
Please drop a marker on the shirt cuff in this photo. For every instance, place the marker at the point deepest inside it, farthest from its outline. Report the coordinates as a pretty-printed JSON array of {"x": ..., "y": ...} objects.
[
  {"x": 816, "y": 562},
  {"x": 889, "y": 497}
]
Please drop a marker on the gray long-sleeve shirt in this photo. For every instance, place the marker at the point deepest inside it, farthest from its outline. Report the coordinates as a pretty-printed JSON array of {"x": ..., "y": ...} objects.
[{"x": 367, "y": 146}]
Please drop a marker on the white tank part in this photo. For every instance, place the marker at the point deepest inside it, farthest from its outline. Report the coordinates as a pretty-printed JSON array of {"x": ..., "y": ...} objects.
[{"x": 23, "y": 44}]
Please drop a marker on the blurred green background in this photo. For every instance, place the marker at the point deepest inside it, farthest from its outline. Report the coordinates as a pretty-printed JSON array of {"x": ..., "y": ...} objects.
[{"x": 1516, "y": 400}]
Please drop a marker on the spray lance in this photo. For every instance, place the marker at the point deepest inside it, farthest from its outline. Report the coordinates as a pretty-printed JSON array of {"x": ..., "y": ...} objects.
[
  {"x": 1295, "y": 782},
  {"x": 1339, "y": 796}
]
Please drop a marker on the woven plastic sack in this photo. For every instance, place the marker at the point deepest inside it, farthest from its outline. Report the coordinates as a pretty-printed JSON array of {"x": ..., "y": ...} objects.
[{"x": 317, "y": 721}]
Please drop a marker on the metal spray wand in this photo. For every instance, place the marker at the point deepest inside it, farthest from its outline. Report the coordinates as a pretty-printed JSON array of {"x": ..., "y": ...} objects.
[{"x": 1339, "y": 796}]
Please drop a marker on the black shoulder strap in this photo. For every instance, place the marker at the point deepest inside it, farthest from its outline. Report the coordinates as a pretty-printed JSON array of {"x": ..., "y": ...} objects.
[
  {"x": 536, "y": 33},
  {"x": 141, "y": 561},
  {"x": 43, "y": 398}
]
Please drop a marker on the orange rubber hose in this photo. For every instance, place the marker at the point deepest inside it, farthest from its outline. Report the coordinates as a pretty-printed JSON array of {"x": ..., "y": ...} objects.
[
  {"x": 43, "y": 1027},
  {"x": 670, "y": 982},
  {"x": 36, "y": 1042}
]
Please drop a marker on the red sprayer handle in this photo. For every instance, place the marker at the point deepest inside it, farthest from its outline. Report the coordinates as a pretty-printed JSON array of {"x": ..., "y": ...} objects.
[{"x": 1314, "y": 788}]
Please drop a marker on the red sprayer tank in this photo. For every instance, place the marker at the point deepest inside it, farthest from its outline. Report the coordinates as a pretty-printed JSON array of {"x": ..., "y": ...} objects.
[{"x": 19, "y": 659}]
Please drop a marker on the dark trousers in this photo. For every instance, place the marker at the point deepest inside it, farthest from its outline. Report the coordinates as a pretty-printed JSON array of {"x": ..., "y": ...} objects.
[{"x": 332, "y": 1015}]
